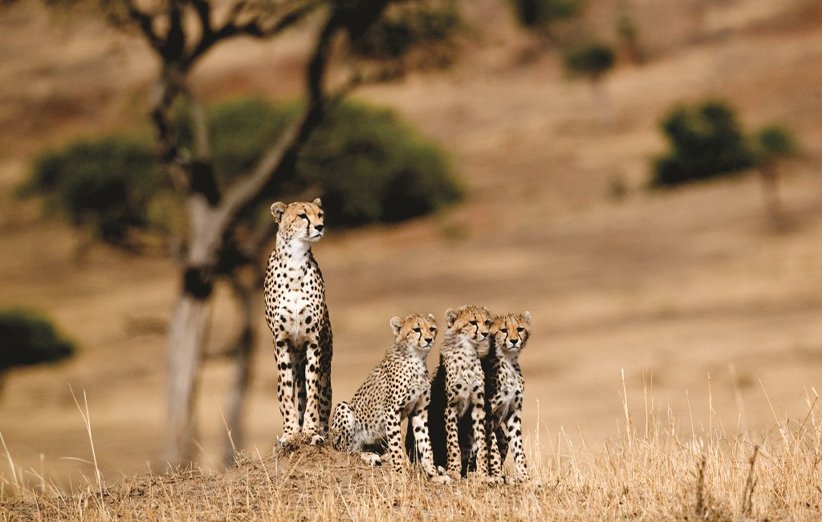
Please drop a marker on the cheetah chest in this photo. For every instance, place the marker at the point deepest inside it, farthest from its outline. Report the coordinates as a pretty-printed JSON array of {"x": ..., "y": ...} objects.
[
  {"x": 464, "y": 379},
  {"x": 509, "y": 386},
  {"x": 299, "y": 301}
]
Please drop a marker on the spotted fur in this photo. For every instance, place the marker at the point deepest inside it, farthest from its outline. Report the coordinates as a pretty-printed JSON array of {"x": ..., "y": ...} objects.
[
  {"x": 297, "y": 315},
  {"x": 397, "y": 388},
  {"x": 458, "y": 391},
  {"x": 504, "y": 387}
]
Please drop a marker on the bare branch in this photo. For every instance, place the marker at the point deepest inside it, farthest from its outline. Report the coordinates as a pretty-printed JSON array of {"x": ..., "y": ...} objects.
[
  {"x": 258, "y": 26},
  {"x": 143, "y": 20}
]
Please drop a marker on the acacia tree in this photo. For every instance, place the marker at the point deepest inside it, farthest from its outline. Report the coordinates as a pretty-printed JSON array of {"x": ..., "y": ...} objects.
[
  {"x": 772, "y": 144},
  {"x": 180, "y": 33},
  {"x": 592, "y": 60}
]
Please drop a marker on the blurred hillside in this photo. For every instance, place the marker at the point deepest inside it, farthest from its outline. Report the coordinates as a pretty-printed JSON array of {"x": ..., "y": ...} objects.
[{"x": 687, "y": 291}]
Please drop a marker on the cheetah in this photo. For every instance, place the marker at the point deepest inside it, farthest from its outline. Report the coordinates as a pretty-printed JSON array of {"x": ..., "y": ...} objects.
[
  {"x": 397, "y": 388},
  {"x": 297, "y": 315},
  {"x": 458, "y": 388},
  {"x": 504, "y": 388}
]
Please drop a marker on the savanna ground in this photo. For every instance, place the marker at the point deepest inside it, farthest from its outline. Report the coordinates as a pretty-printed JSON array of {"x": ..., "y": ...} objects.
[{"x": 712, "y": 318}]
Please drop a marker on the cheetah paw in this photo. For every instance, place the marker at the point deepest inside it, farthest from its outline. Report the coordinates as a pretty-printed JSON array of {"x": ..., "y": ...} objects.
[
  {"x": 493, "y": 480},
  {"x": 440, "y": 479},
  {"x": 315, "y": 439},
  {"x": 289, "y": 441},
  {"x": 371, "y": 458}
]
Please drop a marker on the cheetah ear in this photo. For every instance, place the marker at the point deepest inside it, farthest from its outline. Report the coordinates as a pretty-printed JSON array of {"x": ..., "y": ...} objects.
[
  {"x": 277, "y": 210},
  {"x": 450, "y": 316},
  {"x": 396, "y": 324},
  {"x": 526, "y": 315},
  {"x": 318, "y": 202},
  {"x": 433, "y": 319}
]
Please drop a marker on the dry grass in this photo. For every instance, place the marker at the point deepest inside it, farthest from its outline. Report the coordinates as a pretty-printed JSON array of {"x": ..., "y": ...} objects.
[{"x": 653, "y": 470}]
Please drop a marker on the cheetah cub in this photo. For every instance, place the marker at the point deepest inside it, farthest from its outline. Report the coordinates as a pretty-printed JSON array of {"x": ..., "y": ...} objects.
[
  {"x": 297, "y": 315},
  {"x": 504, "y": 388},
  {"x": 458, "y": 389},
  {"x": 397, "y": 388}
]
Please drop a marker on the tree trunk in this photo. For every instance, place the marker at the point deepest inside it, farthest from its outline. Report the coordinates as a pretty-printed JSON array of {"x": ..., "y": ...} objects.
[
  {"x": 187, "y": 337},
  {"x": 770, "y": 192},
  {"x": 242, "y": 353}
]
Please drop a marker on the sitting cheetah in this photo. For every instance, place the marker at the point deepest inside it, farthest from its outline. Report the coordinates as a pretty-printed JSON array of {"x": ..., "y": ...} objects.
[
  {"x": 458, "y": 388},
  {"x": 396, "y": 388},
  {"x": 504, "y": 389},
  {"x": 296, "y": 313}
]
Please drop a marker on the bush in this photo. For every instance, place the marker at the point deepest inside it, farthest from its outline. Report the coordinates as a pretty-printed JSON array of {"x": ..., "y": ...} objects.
[
  {"x": 407, "y": 27},
  {"x": 772, "y": 142},
  {"x": 592, "y": 59},
  {"x": 374, "y": 168},
  {"x": 706, "y": 141},
  {"x": 369, "y": 165},
  {"x": 542, "y": 13},
  {"x": 105, "y": 185},
  {"x": 27, "y": 338}
]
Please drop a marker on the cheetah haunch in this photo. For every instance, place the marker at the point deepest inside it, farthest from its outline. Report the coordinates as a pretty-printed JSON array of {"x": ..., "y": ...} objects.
[
  {"x": 297, "y": 315},
  {"x": 397, "y": 388}
]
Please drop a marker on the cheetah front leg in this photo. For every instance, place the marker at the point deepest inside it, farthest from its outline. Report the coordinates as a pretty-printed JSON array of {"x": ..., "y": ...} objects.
[
  {"x": 419, "y": 424},
  {"x": 452, "y": 440},
  {"x": 392, "y": 432},
  {"x": 514, "y": 429},
  {"x": 480, "y": 447},
  {"x": 325, "y": 380},
  {"x": 285, "y": 389},
  {"x": 311, "y": 421},
  {"x": 494, "y": 459}
]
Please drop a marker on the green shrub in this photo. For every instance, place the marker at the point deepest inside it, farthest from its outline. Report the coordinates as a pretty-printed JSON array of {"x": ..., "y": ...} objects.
[
  {"x": 407, "y": 27},
  {"x": 105, "y": 184},
  {"x": 368, "y": 164},
  {"x": 542, "y": 13},
  {"x": 374, "y": 168},
  {"x": 772, "y": 142},
  {"x": 27, "y": 338},
  {"x": 591, "y": 59},
  {"x": 706, "y": 141}
]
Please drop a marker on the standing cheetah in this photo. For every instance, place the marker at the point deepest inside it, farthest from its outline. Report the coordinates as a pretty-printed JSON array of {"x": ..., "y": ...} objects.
[
  {"x": 458, "y": 388},
  {"x": 396, "y": 388},
  {"x": 297, "y": 315},
  {"x": 504, "y": 388}
]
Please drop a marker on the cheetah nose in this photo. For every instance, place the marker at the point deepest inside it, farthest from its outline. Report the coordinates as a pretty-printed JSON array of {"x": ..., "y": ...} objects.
[
  {"x": 514, "y": 341},
  {"x": 319, "y": 228},
  {"x": 429, "y": 340}
]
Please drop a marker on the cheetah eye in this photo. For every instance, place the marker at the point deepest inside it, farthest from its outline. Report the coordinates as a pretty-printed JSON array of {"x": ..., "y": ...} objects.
[
  {"x": 487, "y": 323},
  {"x": 303, "y": 216},
  {"x": 503, "y": 330},
  {"x": 473, "y": 323},
  {"x": 520, "y": 329},
  {"x": 432, "y": 329},
  {"x": 418, "y": 329}
]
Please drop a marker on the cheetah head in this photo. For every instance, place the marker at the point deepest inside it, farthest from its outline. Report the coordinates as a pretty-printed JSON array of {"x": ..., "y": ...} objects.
[
  {"x": 510, "y": 332},
  {"x": 342, "y": 427},
  {"x": 415, "y": 331},
  {"x": 470, "y": 323},
  {"x": 300, "y": 220}
]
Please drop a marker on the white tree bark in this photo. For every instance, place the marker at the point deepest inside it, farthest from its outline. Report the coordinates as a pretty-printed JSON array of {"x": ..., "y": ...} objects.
[{"x": 187, "y": 337}]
